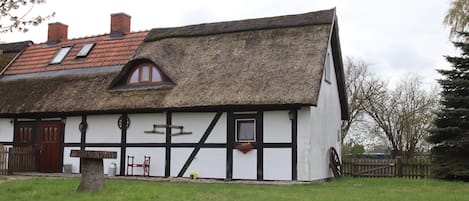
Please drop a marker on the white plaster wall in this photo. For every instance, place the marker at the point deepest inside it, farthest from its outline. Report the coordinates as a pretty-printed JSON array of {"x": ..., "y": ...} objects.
[
  {"x": 305, "y": 154},
  {"x": 107, "y": 162},
  {"x": 321, "y": 133},
  {"x": 277, "y": 164},
  {"x": 72, "y": 132},
  {"x": 245, "y": 164},
  {"x": 144, "y": 122},
  {"x": 218, "y": 134},
  {"x": 277, "y": 127},
  {"x": 157, "y": 160},
  {"x": 209, "y": 163},
  {"x": 179, "y": 156},
  {"x": 75, "y": 162},
  {"x": 197, "y": 123},
  {"x": 6, "y": 130},
  {"x": 103, "y": 129}
]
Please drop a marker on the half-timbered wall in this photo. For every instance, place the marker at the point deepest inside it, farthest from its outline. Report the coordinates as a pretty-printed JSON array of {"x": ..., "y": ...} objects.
[
  {"x": 277, "y": 161},
  {"x": 211, "y": 159}
]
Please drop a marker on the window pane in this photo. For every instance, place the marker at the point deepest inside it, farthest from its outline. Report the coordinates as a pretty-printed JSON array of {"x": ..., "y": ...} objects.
[
  {"x": 328, "y": 67},
  {"x": 155, "y": 75},
  {"x": 134, "y": 77},
  {"x": 59, "y": 57},
  {"x": 85, "y": 50},
  {"x": 145, "y": 73},
  {"x": 246, "y": 130}
]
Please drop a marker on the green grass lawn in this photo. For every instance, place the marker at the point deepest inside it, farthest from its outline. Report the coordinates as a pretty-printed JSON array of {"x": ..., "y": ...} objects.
[{"x": 342, "y": 189}]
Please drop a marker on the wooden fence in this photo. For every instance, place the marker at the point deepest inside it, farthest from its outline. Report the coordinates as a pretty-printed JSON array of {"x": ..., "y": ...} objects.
[
  {"x": 17, "y": 159},
  {"x": 3, "y": 160},
  {"x": 366, "y": 167}
]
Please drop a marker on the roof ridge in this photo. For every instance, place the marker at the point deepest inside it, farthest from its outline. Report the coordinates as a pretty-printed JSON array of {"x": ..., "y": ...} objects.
[
  {"x": 285, "y": 21},
  {"x": 97, "y": 36}
]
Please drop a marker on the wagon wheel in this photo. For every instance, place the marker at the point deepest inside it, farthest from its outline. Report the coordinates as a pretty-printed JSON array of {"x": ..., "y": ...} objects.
[{"x": 334, "y": 162}]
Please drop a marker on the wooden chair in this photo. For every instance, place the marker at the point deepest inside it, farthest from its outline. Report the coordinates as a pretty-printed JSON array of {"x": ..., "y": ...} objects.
[{"x": 145, "y": 165}]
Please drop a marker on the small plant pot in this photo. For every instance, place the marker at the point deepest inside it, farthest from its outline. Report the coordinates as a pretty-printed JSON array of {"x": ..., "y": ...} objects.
[{"x": 244, "y": 147}]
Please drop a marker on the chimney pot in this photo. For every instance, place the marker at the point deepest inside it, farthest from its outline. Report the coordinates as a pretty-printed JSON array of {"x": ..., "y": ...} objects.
[
  {"x": 120, "y": 23},
  {"x": 57, "y": 32}
]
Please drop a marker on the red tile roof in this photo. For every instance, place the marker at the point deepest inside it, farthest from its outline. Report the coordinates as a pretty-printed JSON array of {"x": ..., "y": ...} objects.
[{"x": 106, "y": 52}]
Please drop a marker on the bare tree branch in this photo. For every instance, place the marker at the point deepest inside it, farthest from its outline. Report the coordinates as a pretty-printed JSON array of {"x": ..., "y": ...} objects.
[{"x": 10, "y": 21}]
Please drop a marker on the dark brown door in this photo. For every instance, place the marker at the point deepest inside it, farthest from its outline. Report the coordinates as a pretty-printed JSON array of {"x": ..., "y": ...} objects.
[
  {"x": 24, "y": 134},
  {"x": 49, "y": 142},
  {"x": 23, "y": 153}
]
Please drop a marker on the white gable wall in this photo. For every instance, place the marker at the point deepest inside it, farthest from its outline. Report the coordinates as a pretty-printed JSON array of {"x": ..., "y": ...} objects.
[{"x": 318, "y": 130}]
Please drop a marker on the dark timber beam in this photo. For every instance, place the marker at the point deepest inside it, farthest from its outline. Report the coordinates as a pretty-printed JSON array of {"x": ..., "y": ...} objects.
[
  {"x": 167, "y": 168},
  {"x": 294, "y": 147}
]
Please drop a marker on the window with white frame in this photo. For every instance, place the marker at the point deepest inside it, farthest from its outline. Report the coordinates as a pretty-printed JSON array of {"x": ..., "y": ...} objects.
[
  {"x": 245, "y": 130},
  {"x": 145, "y": 73}
]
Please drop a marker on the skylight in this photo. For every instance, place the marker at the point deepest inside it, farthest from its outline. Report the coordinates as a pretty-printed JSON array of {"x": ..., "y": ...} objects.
[
  {"x": 85, "y": 50},
  {"x": 59, "y": 57}
]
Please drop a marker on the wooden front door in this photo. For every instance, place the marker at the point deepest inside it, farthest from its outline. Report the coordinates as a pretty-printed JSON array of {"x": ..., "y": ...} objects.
[
  {"x": 24, "y": 134},
  {"x": 49, "y": 146}
]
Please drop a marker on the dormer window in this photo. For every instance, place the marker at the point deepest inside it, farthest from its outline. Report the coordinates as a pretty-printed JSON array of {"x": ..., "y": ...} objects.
[
  {"x": 145, "y": 73},
  {"x": 60, "y": 55}
]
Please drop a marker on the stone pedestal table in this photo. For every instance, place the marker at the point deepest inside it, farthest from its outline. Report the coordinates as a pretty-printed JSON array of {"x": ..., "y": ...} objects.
[{"x": 92, "y": 171}]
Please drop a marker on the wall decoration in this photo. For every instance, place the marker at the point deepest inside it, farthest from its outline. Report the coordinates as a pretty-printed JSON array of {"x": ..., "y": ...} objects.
[{"x": 123, "y": 122}]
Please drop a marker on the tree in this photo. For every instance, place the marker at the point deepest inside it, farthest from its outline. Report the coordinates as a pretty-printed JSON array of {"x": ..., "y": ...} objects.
[
  {"x": 457, "y": 16},
  {"x": 403, "y": 115},
  {"x": 451, "y": 133},
  {"x": 352, "y": 148},
  {"x": 19, "y": 21},
  {"x": 361, "y": 86}
]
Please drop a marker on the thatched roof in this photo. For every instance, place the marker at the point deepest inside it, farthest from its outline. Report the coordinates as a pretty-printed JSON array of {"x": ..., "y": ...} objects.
[{"x": 262, "y": 62}]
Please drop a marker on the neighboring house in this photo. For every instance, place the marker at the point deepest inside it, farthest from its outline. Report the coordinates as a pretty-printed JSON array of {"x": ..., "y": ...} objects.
[
  {"x": 189, "y": 97},
  {"x": 8, "y": 51}
]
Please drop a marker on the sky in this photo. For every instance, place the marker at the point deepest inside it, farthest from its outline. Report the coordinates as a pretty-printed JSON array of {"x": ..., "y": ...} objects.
[{"x": 395, "y": 37}]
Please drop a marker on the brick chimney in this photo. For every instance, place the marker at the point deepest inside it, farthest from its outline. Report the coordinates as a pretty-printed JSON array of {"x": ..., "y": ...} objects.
[
  {"x": 120, "y": 23},
  {"x": 57, "y": 32}
]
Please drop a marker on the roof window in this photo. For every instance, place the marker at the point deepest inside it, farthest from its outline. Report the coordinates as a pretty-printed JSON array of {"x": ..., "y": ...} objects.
[
  {"x": 85, "y": 50},
  {"x": 60, "y": 55}
]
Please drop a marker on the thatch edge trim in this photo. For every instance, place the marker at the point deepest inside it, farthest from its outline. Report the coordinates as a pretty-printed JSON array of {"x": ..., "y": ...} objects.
[{"x": 339, "y": 69}]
